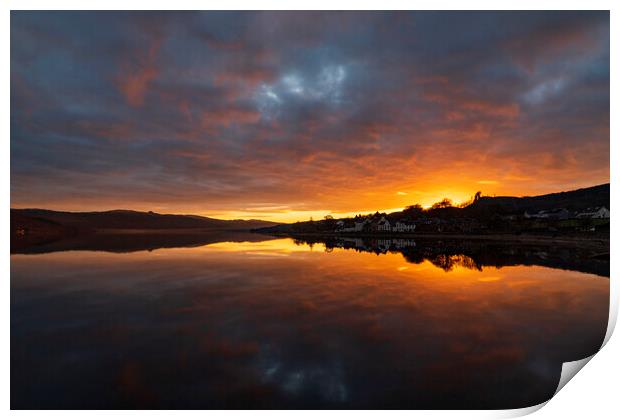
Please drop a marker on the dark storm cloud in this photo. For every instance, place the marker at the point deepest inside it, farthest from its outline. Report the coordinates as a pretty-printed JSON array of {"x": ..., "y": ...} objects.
[{"x": 220, "y": 110}]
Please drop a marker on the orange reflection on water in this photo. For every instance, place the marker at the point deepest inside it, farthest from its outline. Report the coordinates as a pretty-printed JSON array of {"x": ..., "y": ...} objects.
[
  {"x": 275, "y": 246},
  {"x": 344, "y": 269}
]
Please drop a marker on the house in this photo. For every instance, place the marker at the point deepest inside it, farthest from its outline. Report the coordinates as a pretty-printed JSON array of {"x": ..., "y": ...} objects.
[
  {"x": 347, "y": 226},
  {"x": 356, "y": 225},
  {"x": 383, "y": 225},
  {"x": 555, "y": 214},
  {"x": 360, "y": 225},
  {"x": 403, "y": 226},
  {"x": 594, "y": 213}
]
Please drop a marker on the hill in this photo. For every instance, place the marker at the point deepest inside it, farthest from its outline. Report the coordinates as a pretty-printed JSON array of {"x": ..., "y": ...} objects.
[
  {"x": 128, "y": 219},
  {"x": 571, "y": 200}
]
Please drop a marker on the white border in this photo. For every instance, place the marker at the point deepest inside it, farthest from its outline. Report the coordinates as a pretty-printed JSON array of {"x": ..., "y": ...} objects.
[
  {"x": 593, "y": 394},
  {"x": 311, "y": 5}
]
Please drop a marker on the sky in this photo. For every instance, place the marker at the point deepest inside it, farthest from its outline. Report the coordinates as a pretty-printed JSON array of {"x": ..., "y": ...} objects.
[{"x": 289, "y": 115}]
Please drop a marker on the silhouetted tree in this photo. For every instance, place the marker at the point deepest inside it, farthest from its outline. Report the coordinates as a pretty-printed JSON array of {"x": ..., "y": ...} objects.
[
  {"x": 329, "y": 223},
  {"x": 445, "y": 203},
  {"x": 415, "y": 210}
]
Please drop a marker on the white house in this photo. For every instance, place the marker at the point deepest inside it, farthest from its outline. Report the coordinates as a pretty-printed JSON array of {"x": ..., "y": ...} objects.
[
  {"x": 595, "y": 213},
  {"x": 359, "y": 225},
  {"x": 558, "y": 214},
  {"x": 402, "y": 226},
  {"x": 384, "y": 225}
]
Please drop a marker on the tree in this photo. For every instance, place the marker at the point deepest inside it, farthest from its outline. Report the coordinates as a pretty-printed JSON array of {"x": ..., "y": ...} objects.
[
  {"x": 443, "y": 204},
  {"x": 413, "y": 210},
  {"x": 329, "y": 223}
]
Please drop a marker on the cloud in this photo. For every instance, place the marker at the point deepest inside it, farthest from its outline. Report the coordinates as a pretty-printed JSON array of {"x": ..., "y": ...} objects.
[
  {"x": 139, "y": 69},
  {"x": 134, "y": 85}
]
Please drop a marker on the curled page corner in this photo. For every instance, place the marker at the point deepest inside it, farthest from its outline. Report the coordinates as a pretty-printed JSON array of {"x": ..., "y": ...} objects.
[
  {"x": 520, "y": 412},
  {"x": 569, "y": 370},
  {"x": 614, "y": 295}
]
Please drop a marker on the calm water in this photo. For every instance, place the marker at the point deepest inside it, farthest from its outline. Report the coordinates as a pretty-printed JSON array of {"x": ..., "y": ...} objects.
[{"x": 283, "y": 324}]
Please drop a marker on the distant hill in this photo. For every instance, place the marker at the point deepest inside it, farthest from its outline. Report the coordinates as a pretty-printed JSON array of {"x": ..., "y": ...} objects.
[{"x": 124, "y": 219}]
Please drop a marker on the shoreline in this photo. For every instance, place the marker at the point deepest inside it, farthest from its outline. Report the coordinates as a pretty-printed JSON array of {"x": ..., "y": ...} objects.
[{"x": 124, "y": 237}]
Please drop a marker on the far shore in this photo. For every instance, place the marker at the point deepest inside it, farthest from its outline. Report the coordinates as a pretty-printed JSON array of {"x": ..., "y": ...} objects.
[{"x": 165, "y": 231}]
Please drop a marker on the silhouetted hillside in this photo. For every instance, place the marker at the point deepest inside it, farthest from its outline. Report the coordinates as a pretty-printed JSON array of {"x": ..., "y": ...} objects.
[
  {"x": 127, "y": 219},
  {"x": 571, "y": 200}
]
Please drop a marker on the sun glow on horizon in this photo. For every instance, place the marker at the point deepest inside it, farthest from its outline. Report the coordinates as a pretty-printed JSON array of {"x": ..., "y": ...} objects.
[
  {"x": 356, "y": 201},
  {"x": 292, "y": 216},
  {"x": 386, "y": 202},
  {"x": 282, "y": 212},
  {"x": 288, "y": 215}
]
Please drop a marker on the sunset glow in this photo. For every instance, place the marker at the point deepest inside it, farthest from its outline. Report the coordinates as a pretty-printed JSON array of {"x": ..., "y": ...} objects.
[{"x": 286, "y": 116}]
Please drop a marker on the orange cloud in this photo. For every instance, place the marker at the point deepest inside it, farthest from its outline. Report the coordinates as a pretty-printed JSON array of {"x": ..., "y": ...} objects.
[
  {"x": 137, "y": 73},
  {"x": 492, "y": 109},
  {"x": 229, "y": 116}
]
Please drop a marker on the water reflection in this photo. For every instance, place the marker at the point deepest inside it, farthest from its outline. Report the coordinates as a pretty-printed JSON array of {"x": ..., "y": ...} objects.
[
  {"x": 476, "y": 254},
  {"x": 279, "y": 324},
  {"x": 589, "y": 256}
]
